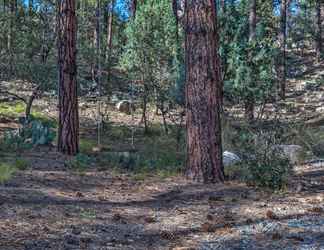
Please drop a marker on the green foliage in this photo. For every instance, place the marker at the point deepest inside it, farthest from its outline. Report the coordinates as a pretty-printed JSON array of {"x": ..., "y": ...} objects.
[
  {"x": 21, "y": 164},
  {"x": 263, "y": 163},
  {"x": 249, "y": 64},
  {"x": 12, "y": 110},
  {"x": 86, "y": 145},
  {"x": 157, "y": 155},
  {"x": 151, "y": 53},
  {"x": 6, "y": 172},
  {"x": 79, "y": 163},
  {"x": 33, "y": 133}
]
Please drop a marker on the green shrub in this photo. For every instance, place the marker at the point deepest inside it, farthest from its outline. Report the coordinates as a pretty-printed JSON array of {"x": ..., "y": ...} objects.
[
  {"x": 21, "y": 164},
  {"x": 6, "y": 172},
  {"x": 263, "y": 163},
  {"x": 79, "y": 162}
]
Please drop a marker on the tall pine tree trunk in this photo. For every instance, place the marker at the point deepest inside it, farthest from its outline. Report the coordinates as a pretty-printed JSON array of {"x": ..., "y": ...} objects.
[
  {"x": 68, "y": 132},
  {"x": 250, "y": 102},
  {"x": 283, "y": 44},
  {"x": 109, "y": 39},
  {"x": 319, "y": 47},
  {"x": 204, "y": 146}
]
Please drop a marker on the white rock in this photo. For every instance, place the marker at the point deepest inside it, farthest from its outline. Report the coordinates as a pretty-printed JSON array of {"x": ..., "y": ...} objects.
[
  {"x": 124, "y": 106},
  {"x": 230, "y": 158}
]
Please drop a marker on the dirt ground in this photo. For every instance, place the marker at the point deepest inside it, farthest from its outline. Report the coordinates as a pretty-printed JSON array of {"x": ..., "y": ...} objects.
[{"x": 48, "y": 207}]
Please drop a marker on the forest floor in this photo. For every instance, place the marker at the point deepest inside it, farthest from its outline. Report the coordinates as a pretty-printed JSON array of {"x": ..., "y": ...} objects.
[{"x": 48, "y": 207}]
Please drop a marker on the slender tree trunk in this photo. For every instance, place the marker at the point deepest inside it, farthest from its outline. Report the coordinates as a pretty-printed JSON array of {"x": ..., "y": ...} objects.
[
  {"x": 68, "y": 132},
  {"x": 223, "y": 5},
  {"x": 283, "y": 44},
  {"x": 10, "y": 35},
  {"x": 319, "y": 46},
  {"x": 144, "y": 108},
  {"x": 110, "y": 20},
  {"x": 250, "y": 102},
  {"x": 30, "y": 7},
  {"x": 133, "y": 8},
  {"x": 204, "y": 146}
]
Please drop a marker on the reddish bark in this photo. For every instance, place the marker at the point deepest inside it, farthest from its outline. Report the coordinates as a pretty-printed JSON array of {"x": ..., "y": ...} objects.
[
  {"x": 68, "y": 132},
  {"x": 204, "y": 147}
]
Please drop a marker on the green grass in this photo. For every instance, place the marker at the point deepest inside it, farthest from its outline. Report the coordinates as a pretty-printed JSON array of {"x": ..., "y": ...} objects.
[
  {"x": 86, "y": 145},
  {"x": 6, "y": 172},
  {"x": 12, "y": 110},
  {"x": 21, "y": 164},
  {"x": 17, "y": 109}
]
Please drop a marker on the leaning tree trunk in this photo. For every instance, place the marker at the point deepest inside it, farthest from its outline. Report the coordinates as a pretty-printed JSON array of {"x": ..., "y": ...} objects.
[
  {"x": 204, "y": 147},
  {"x": 68, "y": 132}
]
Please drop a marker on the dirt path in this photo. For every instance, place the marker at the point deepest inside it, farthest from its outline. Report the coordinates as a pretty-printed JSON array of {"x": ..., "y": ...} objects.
[{"x": 49, "y": 208}]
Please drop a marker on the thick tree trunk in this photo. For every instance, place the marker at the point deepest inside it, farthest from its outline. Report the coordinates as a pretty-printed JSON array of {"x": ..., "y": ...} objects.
[
  {"x": 250, "y": 101},
  {"x": 283, "y": 43},
  {"x": 204, "y": 147},
  {"x": 68, "y": 132},
  {"x": 319, "y": 47}
]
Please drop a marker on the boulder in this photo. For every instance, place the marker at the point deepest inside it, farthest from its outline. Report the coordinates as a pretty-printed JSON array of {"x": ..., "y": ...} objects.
[
  {"x": 125, "y": 106},
  {"x": 294, "y": 153},
  {"x": 230, "y": 159}
]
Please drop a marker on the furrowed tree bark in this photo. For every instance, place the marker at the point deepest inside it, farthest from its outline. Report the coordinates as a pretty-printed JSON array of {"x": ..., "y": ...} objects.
[
  {"x": 283, "y": 43},
  {"x": 68, "y": 132},
  {"x": 204, "y": 145}
]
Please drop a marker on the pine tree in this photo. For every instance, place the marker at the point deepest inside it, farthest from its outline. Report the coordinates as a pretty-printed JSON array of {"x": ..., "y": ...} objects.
[
  {"x": 204, "y": 147},
  {"x": 68, "y": 132}
]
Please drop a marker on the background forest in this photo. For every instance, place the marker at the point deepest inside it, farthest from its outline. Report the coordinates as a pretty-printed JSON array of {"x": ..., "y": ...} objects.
[{"x": 136, "y": 106}]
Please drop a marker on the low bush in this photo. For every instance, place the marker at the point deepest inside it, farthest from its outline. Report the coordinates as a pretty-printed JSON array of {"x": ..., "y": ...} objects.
[
  {"x": 21, "y": 164},
  {"x": 6, "y": 172},
  {"x": 263, "y": 163},
  {"x": 79, "y": 163}
]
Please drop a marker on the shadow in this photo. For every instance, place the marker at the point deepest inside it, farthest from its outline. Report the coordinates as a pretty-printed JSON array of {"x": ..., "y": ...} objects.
[{"x": 165, "y": 200}]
